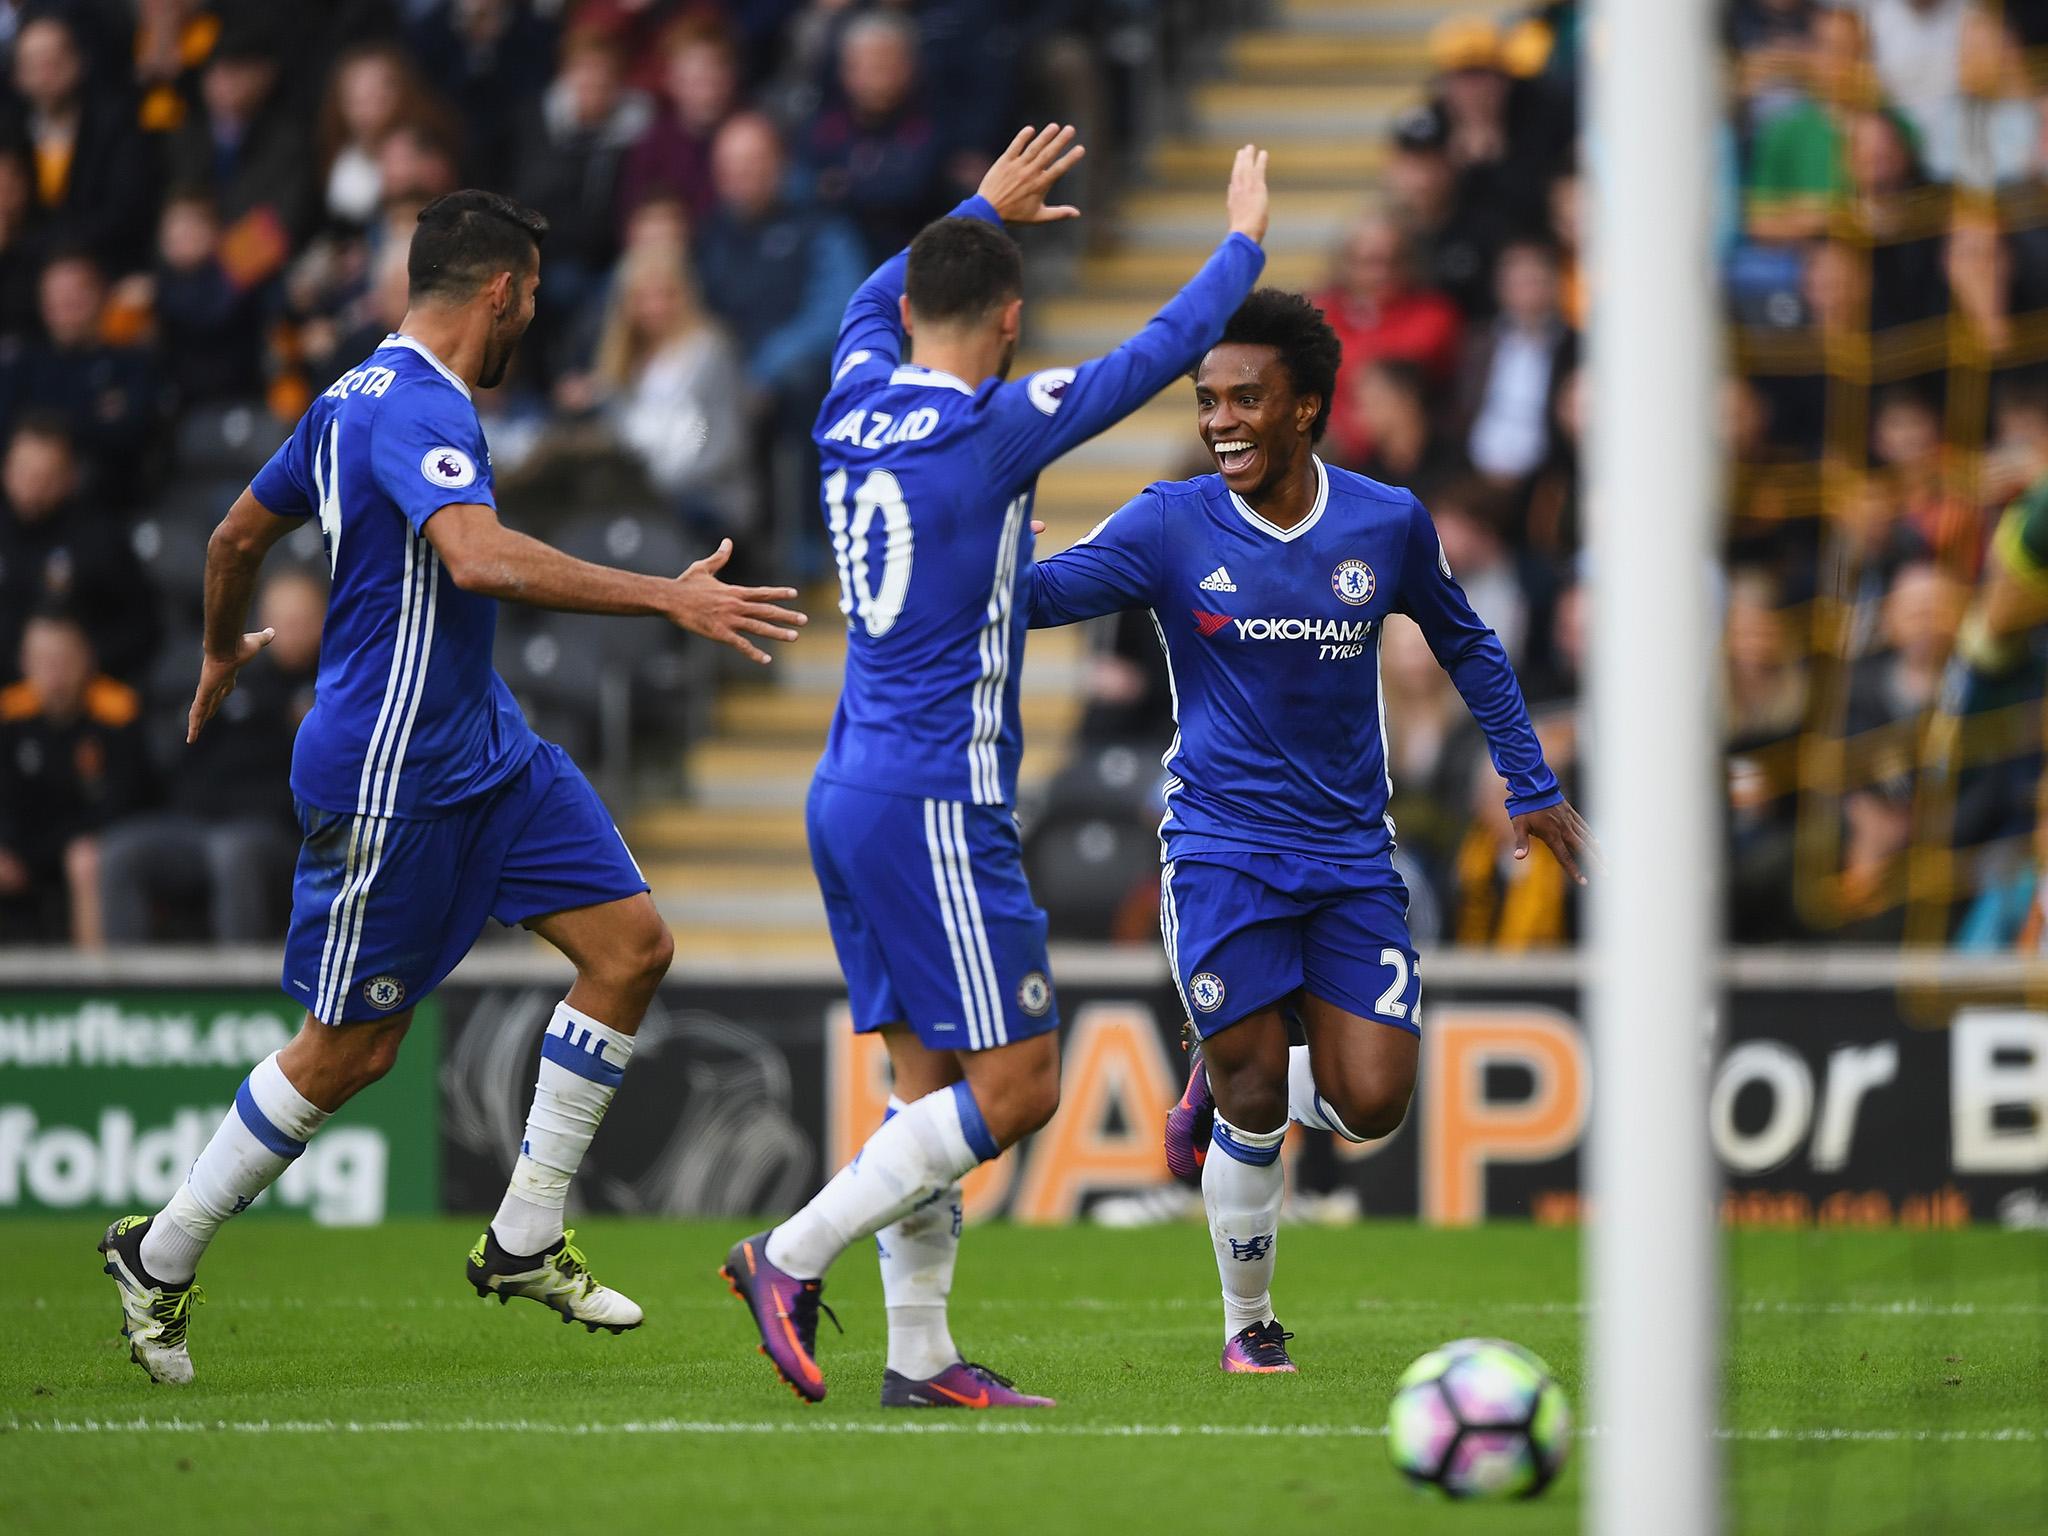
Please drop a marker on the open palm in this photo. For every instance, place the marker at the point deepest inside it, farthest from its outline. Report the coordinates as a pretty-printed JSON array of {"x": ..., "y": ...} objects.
[{"x": 1024, "y": 173}]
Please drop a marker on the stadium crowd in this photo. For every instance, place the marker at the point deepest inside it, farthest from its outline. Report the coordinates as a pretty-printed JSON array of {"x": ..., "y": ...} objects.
[
  {"x": 1882, "y": 230},
  {"x": 204, "y": 210},
  {"x": 205, "y": 207}
]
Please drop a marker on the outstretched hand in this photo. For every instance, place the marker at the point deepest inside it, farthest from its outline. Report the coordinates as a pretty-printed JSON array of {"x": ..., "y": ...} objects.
[
  {"x": 217, "y": 681},
  {"x": 1024, "y": 173},
  {"x": 1246, "y": 199},
  {"x": 1564, "y": 832},
  {"x": 707, "y": 606}
]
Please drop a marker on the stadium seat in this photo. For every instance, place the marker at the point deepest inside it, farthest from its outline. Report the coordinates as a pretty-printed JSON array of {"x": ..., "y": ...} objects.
[
  {"x": 1088, "y": 871},
  {"x": 1115, "y": 779},
  {"x": 227, "y": 439}
]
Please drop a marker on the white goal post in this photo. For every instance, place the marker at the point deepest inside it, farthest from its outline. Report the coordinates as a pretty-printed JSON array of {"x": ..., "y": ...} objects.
[{"x": 1652, "y": 1254}]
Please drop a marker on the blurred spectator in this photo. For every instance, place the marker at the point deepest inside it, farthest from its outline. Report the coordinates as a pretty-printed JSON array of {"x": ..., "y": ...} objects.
[
  {"x": 209, "y": 327},
  {"x": 1408, "y": 449},
  {"x": 1887, "y": 198},
  {"x": 879, "y": 156},
  {"x": 1512, "y": 365},
  {"x": 1567, "y": 221},
  {"x": 1501, "y": 148},
  {"x": 1552, "y": 516},
  {"x": 489, "y": 59},
  {"x": 1433, "y": 746},
  {"x": 1378, "y": 312},
  {"x": 21, "y": 250},
  {"x": 373, "y": 91},
  {"x": 1895, "y": 687},
  {"x": 1127, "y": 694},
  {"x": 71, "y": 762},
  {"x": 700, "y": 87},
  {"x": 1984, "y": 130},
  {"x": 247, "y": 145},
  {"x": 172, "y": 41},
  {"x": 1453, "y": 236},
  {"x": 1916, "y": 47},
  {"x": 106, "y": 393},
  {"x": 1766, "y": 702},
  {"x": 1900, "y": 683},
  {"x": 777, "y": 273},
  {"x": 1797, "y": 165},
  {"x": 56, "y": 551},
  {"x": 569, "y": 169},
  {"x": 1471, "y": 518},
  {"x": 1499, "y": 901},
  {"x": 662, "y": 379},
  {"x": 224, "y": 841},
  {"x": 1906, "y": 442},
  {"x": 92, "y": 171},
  {"x": 1770, "y": 40}
]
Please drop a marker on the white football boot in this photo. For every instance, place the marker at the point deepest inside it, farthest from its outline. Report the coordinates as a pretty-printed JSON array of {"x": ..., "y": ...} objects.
[
  {"x": 559, "y": 1278},
  {"x": 153, "y": 1316}
]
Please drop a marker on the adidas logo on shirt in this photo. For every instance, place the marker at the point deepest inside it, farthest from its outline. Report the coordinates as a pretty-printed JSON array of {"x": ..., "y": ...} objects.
[{"x": 1218, "y": 580}]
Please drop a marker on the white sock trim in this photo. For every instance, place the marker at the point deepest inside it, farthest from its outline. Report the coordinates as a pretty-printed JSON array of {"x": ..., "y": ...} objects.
[{"x": 1305, "y": 1106}]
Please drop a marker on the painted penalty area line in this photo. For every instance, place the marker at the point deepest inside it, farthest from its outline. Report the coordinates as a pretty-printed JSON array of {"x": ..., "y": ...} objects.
[{"x": 1822, "y": 1434}]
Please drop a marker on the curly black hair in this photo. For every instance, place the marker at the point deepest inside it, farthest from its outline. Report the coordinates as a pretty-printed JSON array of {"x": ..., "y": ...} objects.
[{"x": 1308, "y": 345}]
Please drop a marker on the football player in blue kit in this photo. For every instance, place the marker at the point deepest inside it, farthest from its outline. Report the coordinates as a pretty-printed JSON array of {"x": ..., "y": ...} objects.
[
  {"x": 1268, "y": 582},
  {"x": 928, "y": 472},
  {"x": 427, "y": 802}
]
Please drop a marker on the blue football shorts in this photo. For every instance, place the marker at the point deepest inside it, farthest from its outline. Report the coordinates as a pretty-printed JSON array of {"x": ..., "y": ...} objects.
[
  {"x": 1246, "y": 930},
  {"x": 383, "y": 907},
  {"x": 931, "y": 916}
]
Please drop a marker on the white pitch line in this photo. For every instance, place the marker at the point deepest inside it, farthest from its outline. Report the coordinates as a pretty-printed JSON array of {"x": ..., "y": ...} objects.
[
  {"x": 2008, "y": 1435},
  {"x": 1908, "y": 1306}
]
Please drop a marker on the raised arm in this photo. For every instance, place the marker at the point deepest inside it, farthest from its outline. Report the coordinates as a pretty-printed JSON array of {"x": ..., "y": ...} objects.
[
  {"x": 1037, "y": 419},
  {"x": 1114, "y": 567},
  {"x": 1013, "y": 191},
  {"x": 484, "y": 556},
  {"x": 1479, "y": 667}
]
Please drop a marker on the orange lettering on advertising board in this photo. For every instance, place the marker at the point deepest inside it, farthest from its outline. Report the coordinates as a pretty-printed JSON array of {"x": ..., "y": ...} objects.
[{"x": 1463, "y": 1131}]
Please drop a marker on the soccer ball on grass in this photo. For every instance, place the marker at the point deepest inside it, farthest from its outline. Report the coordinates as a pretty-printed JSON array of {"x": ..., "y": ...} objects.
[{"x": 1478, "y": 1419}]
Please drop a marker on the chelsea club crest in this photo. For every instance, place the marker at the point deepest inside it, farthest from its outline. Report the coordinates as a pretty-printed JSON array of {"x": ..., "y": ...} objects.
[
  {"x": 385, "y": 992},
  {"x": 1353, "y": 583}
]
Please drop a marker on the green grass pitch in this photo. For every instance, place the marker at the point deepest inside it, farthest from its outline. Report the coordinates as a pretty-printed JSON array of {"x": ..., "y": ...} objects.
[{"x": 350, "y": 1382}]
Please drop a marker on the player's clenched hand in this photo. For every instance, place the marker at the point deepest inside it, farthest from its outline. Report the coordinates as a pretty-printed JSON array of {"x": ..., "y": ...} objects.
[
  {"x": 217, "y": 681},
  {"x": 1564, "y": 832},
  {"x": 1247, "y": 200},
  {"x": 1022, "y": 175},
  {"x": 706, "y": 606}
]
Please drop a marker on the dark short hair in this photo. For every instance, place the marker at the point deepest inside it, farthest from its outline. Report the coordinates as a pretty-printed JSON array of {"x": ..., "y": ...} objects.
[
  {"x": 1308, "y": 346},
  {"x": 467, "y": 238},
  {"x": 960, "y": 269}
]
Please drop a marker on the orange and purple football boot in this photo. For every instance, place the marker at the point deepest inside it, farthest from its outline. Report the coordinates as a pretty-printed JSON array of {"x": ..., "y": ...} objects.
[
  {"x": 1191, "y": 1123},
  {"x": 962, "y": 1384},
  {"x": 785, "y": 1310},
  {"x": 1260, "y": 1350}
]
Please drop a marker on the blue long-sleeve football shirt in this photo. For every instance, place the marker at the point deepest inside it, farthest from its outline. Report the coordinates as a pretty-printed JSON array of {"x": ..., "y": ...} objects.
[
  {"x": 1272, "y": 640},
  {"x": 927, "y": 484}
]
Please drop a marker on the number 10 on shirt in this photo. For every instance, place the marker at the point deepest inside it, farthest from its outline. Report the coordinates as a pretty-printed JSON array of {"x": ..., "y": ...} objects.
[{"x": 879, "y": 493}]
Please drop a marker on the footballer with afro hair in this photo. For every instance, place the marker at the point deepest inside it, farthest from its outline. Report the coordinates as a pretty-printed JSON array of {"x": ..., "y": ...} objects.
[{"x": 1262, "y": 400}]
